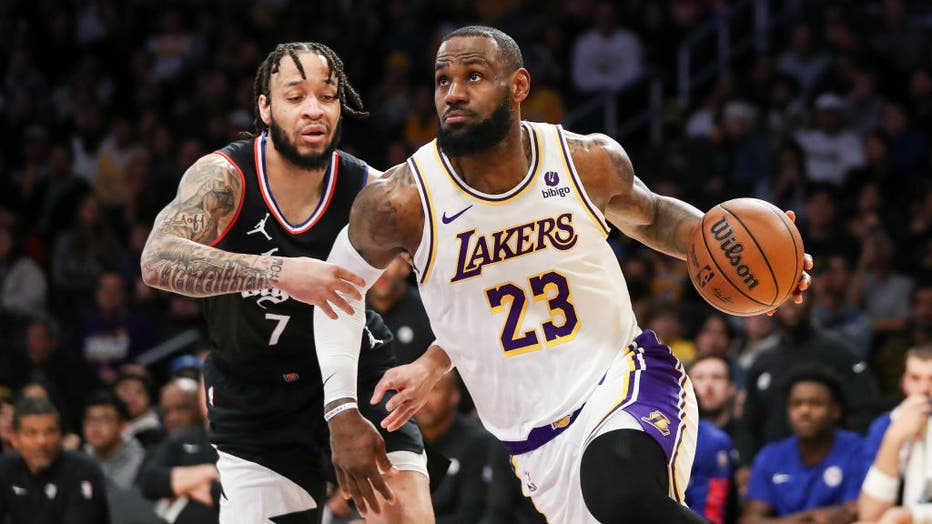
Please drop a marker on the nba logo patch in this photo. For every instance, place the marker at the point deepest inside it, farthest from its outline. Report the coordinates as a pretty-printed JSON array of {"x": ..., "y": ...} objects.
[
  {"x": 659, "y": 421},
  {"x": 87, "y": 489},
  {"x": 291, "y": 377}
]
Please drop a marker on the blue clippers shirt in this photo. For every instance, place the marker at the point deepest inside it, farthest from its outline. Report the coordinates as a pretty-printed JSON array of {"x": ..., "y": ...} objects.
[
  {"x": 780, "y": 479},
  {"x": 874, "y": 437},
  {"x": 713, "y": 467}
]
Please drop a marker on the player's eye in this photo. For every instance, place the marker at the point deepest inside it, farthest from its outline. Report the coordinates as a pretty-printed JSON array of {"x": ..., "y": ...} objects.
[
  {"x": 442, "y": 81},
  {"x": 474, "y": 76}
]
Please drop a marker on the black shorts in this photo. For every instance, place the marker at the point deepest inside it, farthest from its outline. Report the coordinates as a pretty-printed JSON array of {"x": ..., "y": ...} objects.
[{"x": 281, "y": 425}]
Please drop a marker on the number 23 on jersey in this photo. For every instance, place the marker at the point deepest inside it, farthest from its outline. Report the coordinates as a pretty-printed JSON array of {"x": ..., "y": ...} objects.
[{"x": 551, "y": 287}]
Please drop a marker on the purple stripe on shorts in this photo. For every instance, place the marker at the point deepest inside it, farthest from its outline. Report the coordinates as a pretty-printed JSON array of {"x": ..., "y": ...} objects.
[
  {"x": 539, "y": 436},
  {"x": 660, "y": 392}
]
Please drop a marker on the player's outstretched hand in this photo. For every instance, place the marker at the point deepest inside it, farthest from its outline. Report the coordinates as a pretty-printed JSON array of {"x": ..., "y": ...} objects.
[
  {"x": 412, "y": 383},
  {"x": 804, "y": 280},
  {"x": 360, "y": 461},
  {"x": 319, "y": 283}
]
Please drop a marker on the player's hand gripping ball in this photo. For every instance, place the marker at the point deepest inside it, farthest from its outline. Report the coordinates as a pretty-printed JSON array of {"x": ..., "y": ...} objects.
[{"x": 745, "y": 257}]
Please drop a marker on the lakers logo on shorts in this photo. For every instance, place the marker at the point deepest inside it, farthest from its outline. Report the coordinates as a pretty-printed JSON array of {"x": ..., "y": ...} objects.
[
  {"x": 562, "y": 423},
  {"x": 659, "y": 421}
]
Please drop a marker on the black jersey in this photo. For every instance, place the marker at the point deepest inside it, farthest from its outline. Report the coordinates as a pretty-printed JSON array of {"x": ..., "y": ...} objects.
[
  {"x": 267, "y": 335},
  {"x": 71, "y": 490}
]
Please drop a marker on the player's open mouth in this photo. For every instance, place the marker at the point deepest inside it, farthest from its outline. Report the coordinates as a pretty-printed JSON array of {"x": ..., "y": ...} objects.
[{"x": 313, "y": 135}]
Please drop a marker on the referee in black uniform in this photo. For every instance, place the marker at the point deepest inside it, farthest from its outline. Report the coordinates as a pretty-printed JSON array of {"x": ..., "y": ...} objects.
[
  {"x": 249, "y": 231},
  {"x": 43, "y": 484}
]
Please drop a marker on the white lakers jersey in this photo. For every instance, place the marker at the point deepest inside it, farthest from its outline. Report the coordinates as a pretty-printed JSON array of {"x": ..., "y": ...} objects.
[{"x": 522, "y": 289}]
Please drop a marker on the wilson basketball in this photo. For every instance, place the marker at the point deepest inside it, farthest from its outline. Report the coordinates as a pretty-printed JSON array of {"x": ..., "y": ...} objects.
[{"x": 745, "y": 257}]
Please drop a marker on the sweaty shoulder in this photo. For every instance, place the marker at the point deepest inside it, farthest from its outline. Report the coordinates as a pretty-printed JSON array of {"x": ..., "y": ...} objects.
[
  {"x": 387, "y": 217},
  {"x": 603, "y": 166}
]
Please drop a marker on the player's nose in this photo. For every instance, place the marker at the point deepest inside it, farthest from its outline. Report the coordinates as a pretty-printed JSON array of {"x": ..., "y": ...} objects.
[
  {"x": 312, "y": 108},
  {"x": 456, "y": 93}
]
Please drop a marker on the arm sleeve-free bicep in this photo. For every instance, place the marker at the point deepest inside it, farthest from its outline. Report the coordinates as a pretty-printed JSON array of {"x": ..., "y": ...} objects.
[{"x": 337, "y": 341}]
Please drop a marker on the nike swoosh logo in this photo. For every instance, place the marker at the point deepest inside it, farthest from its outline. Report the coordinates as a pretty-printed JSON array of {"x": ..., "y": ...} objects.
[{"x": 447, "y": 219}]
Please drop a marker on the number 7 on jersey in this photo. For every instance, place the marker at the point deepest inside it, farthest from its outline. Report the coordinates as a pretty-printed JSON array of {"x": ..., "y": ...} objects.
[{"x": 552, "y": 287}]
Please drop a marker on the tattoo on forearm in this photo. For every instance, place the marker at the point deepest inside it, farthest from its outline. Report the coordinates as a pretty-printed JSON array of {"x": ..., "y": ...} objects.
[
  {"x": 199, "y": 271},
  {"x": 175, "y": 257}
]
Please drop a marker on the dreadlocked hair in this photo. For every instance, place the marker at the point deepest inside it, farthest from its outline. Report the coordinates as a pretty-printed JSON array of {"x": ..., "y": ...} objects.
[{"x": 350, "y": 102}]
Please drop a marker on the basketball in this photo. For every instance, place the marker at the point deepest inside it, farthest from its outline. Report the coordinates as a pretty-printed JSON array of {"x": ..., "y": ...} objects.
[{"x": 745, "y": 257}]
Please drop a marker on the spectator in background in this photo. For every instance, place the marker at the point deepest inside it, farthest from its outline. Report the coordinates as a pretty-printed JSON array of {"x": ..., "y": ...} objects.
[
  {"x": 43, "y": 484},
  {"x": 116, "y": 151},
  {"x": 113, "y": 332},
  {"x": 23, "y": 286},
  {"x": 744, "y": 155},
  {"x": 606, "y": 57},
  {"x": 54, "y": 198},
  {"x": 888, "y": 361},
  {"x": 832, "y": 149},
  {"x": 179, "y": 406},
  {"x": 864, "y": 106},
  {"x": 45, "y": 390},
  {"x": 835, "y": 312},
  {"x": 822, "y": 227},
  {"x": 898, "y": 43},
  {"x": 882, "y": 291},
  {"x": 81, "y": 252},
  {"x": 899, "y": 449},
  {"x": 181, "y": 472},
  {"x": 400, "y": 306},
  {"x": 119, "y": 456},
  {"x": 711, "y": 483},
  {"x": 909, "y": 147},
  {"x": 786, "y": 188},
  {"x": 46, "y": 361},
  {"x": 664, "y": 319},
  {"x": 461, "y": 495},
  {"x": 803, "y": 61},
  {"x": 815, "y": 475},
  {"x": 760, "y": 334},
  {"x": 136, "y": 390},
  {"x": 714, "y": 339},
  {"x": 801, "y": 344},
  {"x": 716, "y": 392}
]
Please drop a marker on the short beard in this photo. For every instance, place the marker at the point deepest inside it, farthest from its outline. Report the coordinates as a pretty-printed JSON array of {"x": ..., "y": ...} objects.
[
  {"x": 290, "y": 152},
  {"x": 469, "y": 140}
]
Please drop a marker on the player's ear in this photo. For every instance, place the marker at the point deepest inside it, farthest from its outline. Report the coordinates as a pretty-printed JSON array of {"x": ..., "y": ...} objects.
[
  {"x": 265, "y": 109},
  {"x": 520, "y": 85}
]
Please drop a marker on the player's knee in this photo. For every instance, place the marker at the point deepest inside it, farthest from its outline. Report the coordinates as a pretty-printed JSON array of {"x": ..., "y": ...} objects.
[{"x": 624, "y": 477}]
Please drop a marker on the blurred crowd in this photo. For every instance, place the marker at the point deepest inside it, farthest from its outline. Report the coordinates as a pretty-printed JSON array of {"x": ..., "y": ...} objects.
[{"x": 104, "y": 105}]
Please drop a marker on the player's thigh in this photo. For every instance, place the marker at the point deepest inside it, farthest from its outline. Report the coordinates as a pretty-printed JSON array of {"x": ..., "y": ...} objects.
[{"x": 255, "y": 493}]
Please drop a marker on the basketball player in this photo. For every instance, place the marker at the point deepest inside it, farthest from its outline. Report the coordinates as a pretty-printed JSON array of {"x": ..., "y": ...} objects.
[
  {"x": 505, "y": 222},
  {"x": 247, "y": 232}
]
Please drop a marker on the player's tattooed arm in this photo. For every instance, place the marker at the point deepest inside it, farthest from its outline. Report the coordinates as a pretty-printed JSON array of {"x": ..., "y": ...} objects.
[
  {"x": 387, "y": 218},
  {"x": 177, "y": 258},
  {"x": 660, "y": 222}
]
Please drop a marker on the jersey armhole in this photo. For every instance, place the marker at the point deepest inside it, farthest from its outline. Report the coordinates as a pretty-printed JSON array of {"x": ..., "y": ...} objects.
[
  {"x": 424, "y": 256},
  {"x": 242, "y": 198},
  {"x": 594, "y": 213}
]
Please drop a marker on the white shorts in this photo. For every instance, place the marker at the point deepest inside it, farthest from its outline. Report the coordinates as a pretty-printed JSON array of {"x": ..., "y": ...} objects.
[
  {"x": 255, "y": 493},
  {"x": 645, "y": 388}
]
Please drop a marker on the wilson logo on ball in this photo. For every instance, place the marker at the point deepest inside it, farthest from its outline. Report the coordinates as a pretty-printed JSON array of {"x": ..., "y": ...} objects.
[{"x": 732, "y": 250}]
